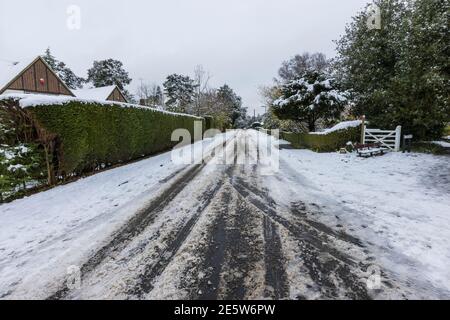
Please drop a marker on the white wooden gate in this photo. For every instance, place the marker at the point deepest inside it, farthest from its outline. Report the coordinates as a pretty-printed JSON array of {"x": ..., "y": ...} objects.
[{"x": 387, "y": 138}]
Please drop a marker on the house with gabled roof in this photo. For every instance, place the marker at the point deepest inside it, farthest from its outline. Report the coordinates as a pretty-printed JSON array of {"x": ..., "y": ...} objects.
[
  {"x": 31, "y": 76},
  {"x": 108, "y": 93}
]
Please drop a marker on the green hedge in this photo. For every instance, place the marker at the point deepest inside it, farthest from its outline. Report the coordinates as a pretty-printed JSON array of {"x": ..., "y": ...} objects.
[
  {"x": 322, "y": 143},
  {"x": 293, "y": 138},
  {"x": 447, "y": 131},
  {"x": 209, "y": 123},
  {"x": 92, "y": 134},
  {"x": 429, "y": 147},
  {"x": 216, "y": 122}
]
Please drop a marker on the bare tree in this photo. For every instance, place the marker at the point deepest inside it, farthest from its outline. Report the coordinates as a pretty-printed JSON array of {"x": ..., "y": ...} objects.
[
  {"x": 143, "y": 91},
  {"x": 150, "y": 95},
  {"x": 201, "y": 78},
  {"x": 300, "y": 64}
]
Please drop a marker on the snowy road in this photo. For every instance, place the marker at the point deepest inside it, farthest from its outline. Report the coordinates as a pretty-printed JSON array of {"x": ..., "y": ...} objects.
[{"x": 229, "y": 227}]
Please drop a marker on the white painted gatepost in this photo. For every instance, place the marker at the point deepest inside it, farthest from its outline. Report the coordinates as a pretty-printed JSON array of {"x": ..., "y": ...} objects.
[{"x": 388, "y": 139}]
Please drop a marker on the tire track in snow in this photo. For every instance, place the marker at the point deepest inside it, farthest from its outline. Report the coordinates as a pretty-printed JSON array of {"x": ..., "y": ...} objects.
[
  {"x": 276, "y": 286},
  {"x": 313, "y": 248},
  {"x": 276, "y": 279},
  {"x": 208, "y": 287},
  {"x": 232, "y": 263},
  {"x": 298, "y": 230},
  {"x": 240, "y": 276},
  {"x": 145, "y": 282},
  {"x": 141, "y": 220}
]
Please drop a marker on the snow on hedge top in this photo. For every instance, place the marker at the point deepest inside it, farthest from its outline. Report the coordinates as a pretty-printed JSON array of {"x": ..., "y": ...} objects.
[
  {"x": 442, "y": 143},
  {"x": 32, "y": 100},
  {"x": 101, "y": 93},
  {"x": 340, "y": 126}
]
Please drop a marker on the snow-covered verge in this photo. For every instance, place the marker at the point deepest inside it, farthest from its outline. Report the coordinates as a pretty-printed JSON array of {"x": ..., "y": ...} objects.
[
  {"x": 44, "y": 234},
  {"x": 398, "y": 204},
  {"x": 340, "y": 126}
]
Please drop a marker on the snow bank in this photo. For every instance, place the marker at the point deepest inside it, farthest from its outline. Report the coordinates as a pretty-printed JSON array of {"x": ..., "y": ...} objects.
[{"x": 340, "y": 126}]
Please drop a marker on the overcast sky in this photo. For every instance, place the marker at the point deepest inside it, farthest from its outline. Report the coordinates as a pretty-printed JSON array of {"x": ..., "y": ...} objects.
[{"x": 241, "y": 42}]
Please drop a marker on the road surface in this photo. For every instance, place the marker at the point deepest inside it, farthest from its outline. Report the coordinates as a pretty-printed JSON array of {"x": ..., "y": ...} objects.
[
  {"x": 246, "y": 220},
  {"x": 219, "y": 230}
]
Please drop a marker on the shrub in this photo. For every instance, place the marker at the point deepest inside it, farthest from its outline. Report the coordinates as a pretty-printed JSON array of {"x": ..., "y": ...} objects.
[
  {"x": 210, "y": 123},
  {"x": 216, "y": 122},
  {"x": 429, "y": 147},
  {"x": 21, "y": 167},
  {"x": 447, "y": 131}
]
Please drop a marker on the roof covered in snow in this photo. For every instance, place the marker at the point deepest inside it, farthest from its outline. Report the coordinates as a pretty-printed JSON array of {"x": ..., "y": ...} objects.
[
  {"x": 11, "y": 69},
  {"x": 101, "y": 93}
]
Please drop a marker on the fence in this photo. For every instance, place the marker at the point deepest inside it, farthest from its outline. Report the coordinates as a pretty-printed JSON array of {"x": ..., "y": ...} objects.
[{"x": 389, "y": 139}]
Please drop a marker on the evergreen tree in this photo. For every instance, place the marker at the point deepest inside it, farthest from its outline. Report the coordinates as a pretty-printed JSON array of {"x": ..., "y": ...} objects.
[
  {"x": 398, "y": 74},
  {"x": 158, "y": 97},
  {"x": 269, "y": 94},
  {"x": 421, "y": 86},
  {"x": 107, "y": 73},
  {"x": 232, "y": 103},
  {"x": 180, "y": 93},
  {"x": 64, "y": 72},
  {"x": 309, "y": 99}
]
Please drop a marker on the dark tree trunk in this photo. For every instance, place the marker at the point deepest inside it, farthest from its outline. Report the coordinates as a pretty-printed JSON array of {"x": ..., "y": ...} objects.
[
  {"x": 312, "y": 122},
  {"x": 51, "y": 178}
]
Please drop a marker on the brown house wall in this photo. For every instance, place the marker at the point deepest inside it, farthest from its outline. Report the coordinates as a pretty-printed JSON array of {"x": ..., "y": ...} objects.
[
  {"x": 53, "y": 83},
  {"x": 116, "y": 95},
  {"x": 16, "y": 84},
  {"x": 29, "y": 80}
]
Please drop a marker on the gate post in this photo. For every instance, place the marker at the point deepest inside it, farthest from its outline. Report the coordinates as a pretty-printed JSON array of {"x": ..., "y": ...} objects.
[
  {"x": 363, "y": 129},
  {"x": 398, "y": 138}
]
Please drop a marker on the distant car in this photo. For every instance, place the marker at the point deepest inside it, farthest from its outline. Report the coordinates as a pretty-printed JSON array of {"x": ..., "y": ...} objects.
[{"x": 257, "y": 125}]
